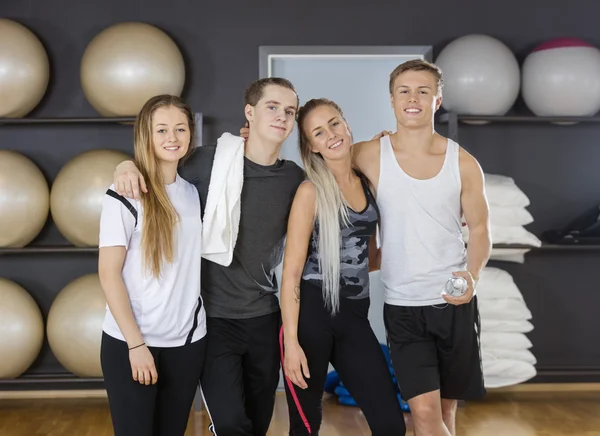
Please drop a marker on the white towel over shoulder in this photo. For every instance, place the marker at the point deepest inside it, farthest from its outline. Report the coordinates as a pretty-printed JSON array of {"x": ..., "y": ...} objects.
[{"x": 223, "y": 204}]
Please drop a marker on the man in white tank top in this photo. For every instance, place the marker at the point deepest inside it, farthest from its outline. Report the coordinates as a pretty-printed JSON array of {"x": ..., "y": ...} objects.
[{"x": 425, "y": 183}]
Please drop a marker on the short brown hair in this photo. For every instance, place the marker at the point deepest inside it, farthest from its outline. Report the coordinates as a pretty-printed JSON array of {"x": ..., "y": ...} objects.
[
  {"x": 418, "y": 65},
  {"x": 254, "y": 92}
]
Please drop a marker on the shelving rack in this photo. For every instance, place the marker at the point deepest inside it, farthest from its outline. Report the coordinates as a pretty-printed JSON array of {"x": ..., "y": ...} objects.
[
  {"x": 520, "y": 116},
  {"x": 452, "y": 120},
  {"x": 28, "y": 381}
]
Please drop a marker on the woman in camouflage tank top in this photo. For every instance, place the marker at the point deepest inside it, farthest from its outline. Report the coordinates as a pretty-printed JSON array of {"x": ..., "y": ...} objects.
[{"x": 325, "y": 286}]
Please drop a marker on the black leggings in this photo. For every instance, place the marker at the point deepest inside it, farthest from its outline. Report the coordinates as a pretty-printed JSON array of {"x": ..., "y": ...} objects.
[
  {"x": 348, "y": 342},
  {"x": 155, "y": 410}
]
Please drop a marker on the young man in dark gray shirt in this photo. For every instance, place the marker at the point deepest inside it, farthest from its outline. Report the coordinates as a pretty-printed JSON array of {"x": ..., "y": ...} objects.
[
  {"x": 246, "y": 288},
  {"x": 241, "y": 373}
]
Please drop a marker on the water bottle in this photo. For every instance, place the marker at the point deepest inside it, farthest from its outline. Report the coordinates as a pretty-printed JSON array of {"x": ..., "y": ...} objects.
[{"x": 456, "y": 286}]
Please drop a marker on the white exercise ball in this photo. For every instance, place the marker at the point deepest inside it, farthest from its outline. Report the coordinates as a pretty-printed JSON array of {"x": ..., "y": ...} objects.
[
  {"x": 562, "y": 78},
  {"x": 481, "y": 76},
  {"x": 128, "y": 63}
]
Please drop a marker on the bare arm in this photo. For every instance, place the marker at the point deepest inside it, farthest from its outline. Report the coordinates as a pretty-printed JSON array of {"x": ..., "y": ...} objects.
[
  {"x": 476, "y": 211},
  {"x": 110, "y": 264},
  {"x": 365, "y": 158},
  {"x": 360, "y": 154},
  {"x": 300, "y": 226}
]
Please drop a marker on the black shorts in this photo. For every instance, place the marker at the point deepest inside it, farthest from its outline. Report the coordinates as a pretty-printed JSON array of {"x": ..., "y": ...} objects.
[{"x": 436, "y": 347}]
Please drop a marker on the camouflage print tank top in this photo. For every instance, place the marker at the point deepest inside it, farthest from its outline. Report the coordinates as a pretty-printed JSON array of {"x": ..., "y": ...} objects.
[{"x": 354, "y": 270}]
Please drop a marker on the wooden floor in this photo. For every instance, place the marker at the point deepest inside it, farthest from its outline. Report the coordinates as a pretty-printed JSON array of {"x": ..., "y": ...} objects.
[{"x": 510, "y": 414}]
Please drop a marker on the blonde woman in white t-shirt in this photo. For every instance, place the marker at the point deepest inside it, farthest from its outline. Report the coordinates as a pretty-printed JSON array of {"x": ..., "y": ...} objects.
[{"x": 153, "y": 342}]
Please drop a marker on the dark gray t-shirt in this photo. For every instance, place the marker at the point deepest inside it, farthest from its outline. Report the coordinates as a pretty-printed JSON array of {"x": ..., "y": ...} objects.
[{"x": 247, "y": 287}]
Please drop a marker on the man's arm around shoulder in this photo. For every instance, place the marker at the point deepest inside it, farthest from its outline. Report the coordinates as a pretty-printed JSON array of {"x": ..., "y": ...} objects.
[{"x": 365, "y": 158}]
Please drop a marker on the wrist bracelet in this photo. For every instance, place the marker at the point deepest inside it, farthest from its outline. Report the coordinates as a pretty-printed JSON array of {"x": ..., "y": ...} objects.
[{"x": 137, "y": 346}]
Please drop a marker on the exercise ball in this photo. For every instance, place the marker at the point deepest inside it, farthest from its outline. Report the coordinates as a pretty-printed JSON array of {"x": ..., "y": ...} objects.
[
  {"x": 75, "y": 326},
  {"x": 24, "y": 199},
  {"x": 77, "y": 193},
  {"x": 126, "y": 64},
  {"x": 481, "y": 76},
  {"x": 562, "y": 78},
  {"x": 24, "y": 70},
  {"x": 21, "y": 329}
]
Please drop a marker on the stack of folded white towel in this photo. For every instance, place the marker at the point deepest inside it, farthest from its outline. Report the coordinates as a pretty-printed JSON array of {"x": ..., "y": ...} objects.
[
  {"x": 505, "y": 318},
  {"x": 508, "y": 216}
]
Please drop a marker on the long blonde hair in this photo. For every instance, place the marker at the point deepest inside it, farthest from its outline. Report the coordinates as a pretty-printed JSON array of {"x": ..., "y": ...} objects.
[
  {"x": 160, "y": 217},
  {"x": 331, "y": 208}
]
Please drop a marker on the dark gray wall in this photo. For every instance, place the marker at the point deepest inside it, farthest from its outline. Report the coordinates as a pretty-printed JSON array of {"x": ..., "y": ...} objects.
[{"x": 556, "y": 166}]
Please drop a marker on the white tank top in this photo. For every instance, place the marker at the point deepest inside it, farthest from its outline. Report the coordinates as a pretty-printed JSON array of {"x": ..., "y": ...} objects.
[{"x": 421, "y": 238}]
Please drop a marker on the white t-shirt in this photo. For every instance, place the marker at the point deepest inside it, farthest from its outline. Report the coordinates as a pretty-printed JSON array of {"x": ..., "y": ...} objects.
[{"x": 167, "y": 310}]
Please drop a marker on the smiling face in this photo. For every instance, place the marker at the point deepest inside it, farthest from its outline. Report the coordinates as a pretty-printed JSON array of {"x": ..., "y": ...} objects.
[
  {"x": 170, "y": 134},
  {"x": 272, "y": 118},
  {"x": 327, "y": 133},
  {"x": 415, "y": 98}
]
